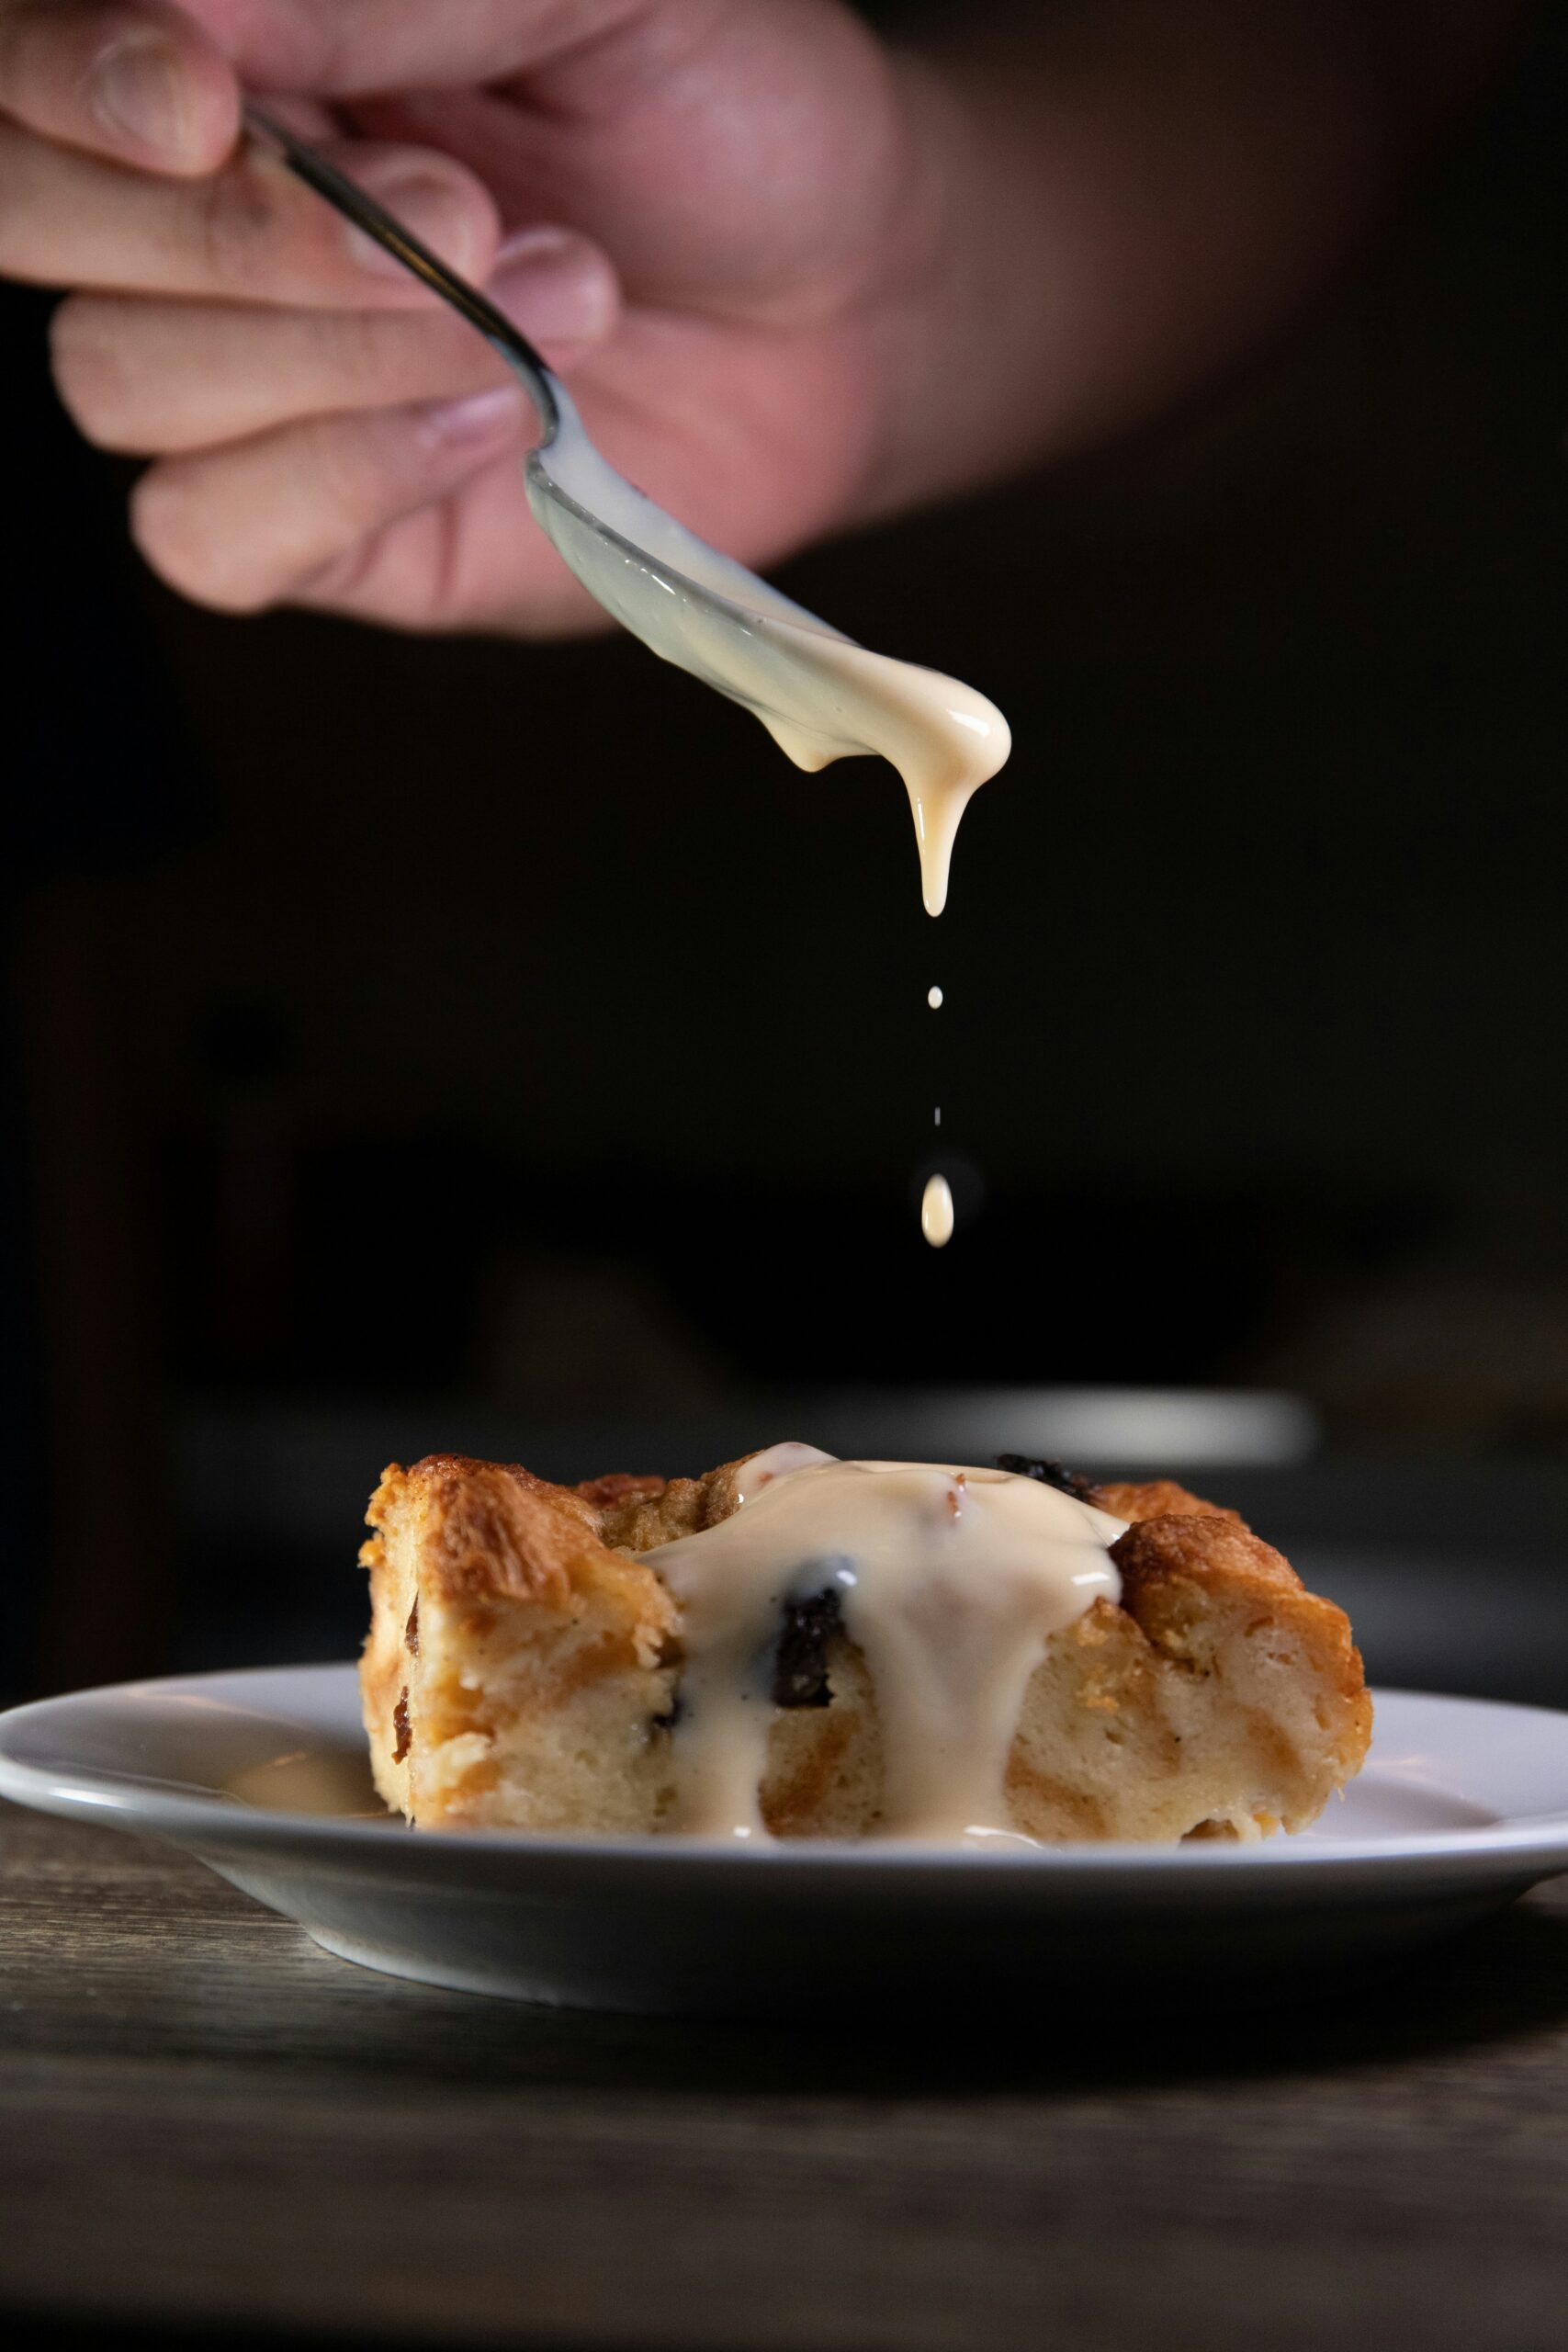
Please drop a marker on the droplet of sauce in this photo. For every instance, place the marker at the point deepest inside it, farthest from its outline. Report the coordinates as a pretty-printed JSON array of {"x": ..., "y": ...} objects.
[
  {"x": 933, "y": 997},
  {"x": 936, "y": 1213}
]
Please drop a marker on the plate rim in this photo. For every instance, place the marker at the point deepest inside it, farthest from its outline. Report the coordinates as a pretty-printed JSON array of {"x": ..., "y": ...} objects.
[{"x": 1532, "y": 1846}]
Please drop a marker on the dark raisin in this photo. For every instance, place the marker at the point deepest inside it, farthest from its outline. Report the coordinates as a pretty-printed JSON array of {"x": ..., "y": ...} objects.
[
  {"x": 411, "y": 1631},
  {"x": 401, "y": 1726},
  {"x": 800, "y": 1661},
  {"x": 1048, "y": 1473}
]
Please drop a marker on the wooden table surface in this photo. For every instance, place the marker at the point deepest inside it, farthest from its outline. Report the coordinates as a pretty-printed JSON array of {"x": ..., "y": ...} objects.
[{"x": 205, "y": 2119}]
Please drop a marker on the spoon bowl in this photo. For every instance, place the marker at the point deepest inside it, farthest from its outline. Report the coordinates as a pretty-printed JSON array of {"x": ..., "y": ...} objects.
[{"x": 820, "y": 696}]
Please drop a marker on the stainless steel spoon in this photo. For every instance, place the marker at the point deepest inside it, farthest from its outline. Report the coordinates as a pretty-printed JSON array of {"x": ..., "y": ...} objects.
[
  {"x": 818, "y": 694},
  {"x": 366, "y": 213}
]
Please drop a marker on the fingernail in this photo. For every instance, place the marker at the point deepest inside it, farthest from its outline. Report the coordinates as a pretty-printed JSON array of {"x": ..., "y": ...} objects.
[
  {"x": 139, "y": 93},
  {"x": 557, "y": 287},
  {"x": 480, "y": 419},
  {"x": 437, "y": 213}
]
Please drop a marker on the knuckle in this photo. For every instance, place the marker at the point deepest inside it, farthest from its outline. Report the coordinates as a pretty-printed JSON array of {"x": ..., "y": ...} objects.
[
  {"x": 234, "y": 212},
  {"x": 383, "y": 358},
  {"x": 242, "y": 213},
  {"x": 365, "y": 348},
  {"x": 341, "y": 457}
]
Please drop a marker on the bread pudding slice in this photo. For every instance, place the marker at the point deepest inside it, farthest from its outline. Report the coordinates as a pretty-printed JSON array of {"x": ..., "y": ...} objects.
[{"x": 530, "y": 1665}]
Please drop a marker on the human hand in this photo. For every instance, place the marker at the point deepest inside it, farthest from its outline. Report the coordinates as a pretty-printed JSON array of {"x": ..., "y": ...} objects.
[{"x": 707, "y": 213}]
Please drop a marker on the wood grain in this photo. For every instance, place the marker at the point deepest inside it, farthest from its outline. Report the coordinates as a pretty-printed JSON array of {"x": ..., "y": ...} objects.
[{"x": 203, "y": 2119}]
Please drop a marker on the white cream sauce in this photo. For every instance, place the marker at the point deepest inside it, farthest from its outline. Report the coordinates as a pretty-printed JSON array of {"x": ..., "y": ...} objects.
[
  {"x": 949, "y": 1580},
  {"x": 819, "y": 695},
  {"x": 776, "y": 1462},
  {"x": 936, "y": 1208}
]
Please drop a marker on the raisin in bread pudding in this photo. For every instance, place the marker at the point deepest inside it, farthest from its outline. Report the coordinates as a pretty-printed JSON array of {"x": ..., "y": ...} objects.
[{"x": 794, "y": 1647}]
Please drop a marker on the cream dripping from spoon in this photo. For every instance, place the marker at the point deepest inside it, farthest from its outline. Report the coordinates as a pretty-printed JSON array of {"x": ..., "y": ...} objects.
[{"x": 819, "y": 696}]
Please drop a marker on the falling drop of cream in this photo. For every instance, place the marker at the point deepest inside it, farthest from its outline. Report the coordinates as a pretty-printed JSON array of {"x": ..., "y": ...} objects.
[
  {"x": 936, "y": 1213},
  {"x": 933, "y": 997}
]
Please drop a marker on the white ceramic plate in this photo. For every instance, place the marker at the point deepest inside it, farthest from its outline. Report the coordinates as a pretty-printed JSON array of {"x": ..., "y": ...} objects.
[{"x": 264, "y": 1775}]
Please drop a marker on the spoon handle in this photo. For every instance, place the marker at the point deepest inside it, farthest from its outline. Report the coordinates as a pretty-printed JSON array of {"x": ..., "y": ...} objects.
[{"x": 366, "y": 213}]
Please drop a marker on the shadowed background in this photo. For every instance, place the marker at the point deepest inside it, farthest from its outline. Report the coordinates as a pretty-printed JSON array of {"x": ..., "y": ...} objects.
[{"x": 396, "y": 1063}]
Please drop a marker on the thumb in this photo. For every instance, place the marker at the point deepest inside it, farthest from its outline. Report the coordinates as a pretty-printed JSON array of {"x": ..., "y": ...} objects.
[{"x": 136, "y": 79}]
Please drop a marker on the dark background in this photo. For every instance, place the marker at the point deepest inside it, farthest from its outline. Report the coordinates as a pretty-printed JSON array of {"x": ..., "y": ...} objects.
[{"x": 392, "y": 1067}]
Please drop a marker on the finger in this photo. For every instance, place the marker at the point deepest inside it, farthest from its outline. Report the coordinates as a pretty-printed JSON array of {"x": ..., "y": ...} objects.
[
  {"x": 475, "y": 560},
  {"x": 351, "y": 47},
  {"x": 134, "y": 79},
  {"x": 155, "y": 377},
  {"x": 249, "y": 232},
  {"x": 242, "y": 527}
]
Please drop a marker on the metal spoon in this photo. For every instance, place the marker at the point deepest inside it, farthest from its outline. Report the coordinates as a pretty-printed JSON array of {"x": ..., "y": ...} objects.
[
  {"x": 818, "y": 694},
  {"x": 366, "y": 213}
]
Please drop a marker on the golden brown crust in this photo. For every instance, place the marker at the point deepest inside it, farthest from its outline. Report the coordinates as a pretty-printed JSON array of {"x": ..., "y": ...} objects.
[
  {"x": 618, "y": 1490},
  {"x": 493, "y": 1528},
  {"x": 635, "y": 1514},
  {"x": 496, "y": 1528},
  {"x": 1206, "y": 1547},
  {"x": 1156, "y": 1499},
  {"x": 491, "y": 1531},
  {"x": 1173, "y": 1567}
]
